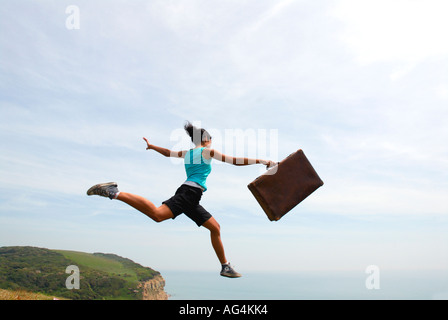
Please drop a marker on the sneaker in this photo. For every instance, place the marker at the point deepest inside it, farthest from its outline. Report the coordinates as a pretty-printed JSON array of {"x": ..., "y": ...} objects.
[
  {"x": 104, "y": 190},
  {"x": 228, "y": 271}
]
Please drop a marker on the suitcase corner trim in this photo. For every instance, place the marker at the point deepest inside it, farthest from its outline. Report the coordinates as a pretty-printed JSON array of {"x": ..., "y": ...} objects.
[{"x": 262, "y": 203}]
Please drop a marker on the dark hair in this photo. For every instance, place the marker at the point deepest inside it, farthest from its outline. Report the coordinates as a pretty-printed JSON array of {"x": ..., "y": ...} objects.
[{"x": 197, "y": 135}]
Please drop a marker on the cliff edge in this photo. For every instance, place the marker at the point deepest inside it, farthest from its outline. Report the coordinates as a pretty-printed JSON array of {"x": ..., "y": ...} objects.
[{"x": 154, "y": 289}]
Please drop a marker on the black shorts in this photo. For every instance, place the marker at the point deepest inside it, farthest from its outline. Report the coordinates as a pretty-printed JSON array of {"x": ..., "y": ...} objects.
[{"x": 186, "y": 200}]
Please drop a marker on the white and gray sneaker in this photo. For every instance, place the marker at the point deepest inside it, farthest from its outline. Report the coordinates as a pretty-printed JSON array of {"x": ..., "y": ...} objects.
[
  {"x": 228, "y": 271},
  {"x": 104, "y": 190}
]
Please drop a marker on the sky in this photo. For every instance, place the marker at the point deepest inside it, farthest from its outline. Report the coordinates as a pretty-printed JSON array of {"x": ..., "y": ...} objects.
[{"x": 360, "y": 86}]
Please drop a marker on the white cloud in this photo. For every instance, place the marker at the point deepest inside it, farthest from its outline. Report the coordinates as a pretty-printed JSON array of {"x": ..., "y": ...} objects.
[
  {"x": 269, "y": 14},
  {"x": 442, "y": 91},
  {"x": 396, "y": 197},
  {"x": 402, "y": 71},
  {"x": 396, "y": 30}
]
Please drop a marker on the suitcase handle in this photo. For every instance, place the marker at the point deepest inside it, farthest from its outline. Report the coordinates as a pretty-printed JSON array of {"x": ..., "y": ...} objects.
[{"x": 267, "y": 168}]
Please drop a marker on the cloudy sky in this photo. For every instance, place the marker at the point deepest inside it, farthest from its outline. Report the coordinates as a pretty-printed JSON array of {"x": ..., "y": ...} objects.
[{"x": 360, "y": 86}]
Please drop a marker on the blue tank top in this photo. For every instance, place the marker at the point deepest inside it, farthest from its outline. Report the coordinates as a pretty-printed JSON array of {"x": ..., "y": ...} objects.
[{"x": 197, "y": 167}]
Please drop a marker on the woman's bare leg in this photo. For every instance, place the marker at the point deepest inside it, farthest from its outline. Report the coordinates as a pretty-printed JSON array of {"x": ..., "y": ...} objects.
[
  {"x": 215, "y": 235},
  {"x": 145, "y": 206}
]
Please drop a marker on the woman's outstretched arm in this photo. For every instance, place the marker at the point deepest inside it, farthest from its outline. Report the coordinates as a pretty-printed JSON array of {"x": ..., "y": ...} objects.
[
  {"x": 163, "y": 151},
  {"x": 237, "y": 161}
]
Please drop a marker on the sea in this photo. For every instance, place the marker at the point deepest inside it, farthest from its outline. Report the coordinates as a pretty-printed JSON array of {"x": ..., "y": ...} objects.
[{"x": 307, "y": 285}]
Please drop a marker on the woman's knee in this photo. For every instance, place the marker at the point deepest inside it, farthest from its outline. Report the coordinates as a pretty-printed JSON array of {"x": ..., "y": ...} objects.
[
  {"x": 215, "y": 228},
  {"x": 162, "y": 213},
  {"x": 158, "y": 218}
]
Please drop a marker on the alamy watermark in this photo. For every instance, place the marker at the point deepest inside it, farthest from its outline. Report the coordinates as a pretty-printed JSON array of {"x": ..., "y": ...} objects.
[
  {"x": 73, "y": 21},
  {"x": 236, "y": 143},
  {"x": 373, "y": 278},
  {"x": 72, "y": 281}
]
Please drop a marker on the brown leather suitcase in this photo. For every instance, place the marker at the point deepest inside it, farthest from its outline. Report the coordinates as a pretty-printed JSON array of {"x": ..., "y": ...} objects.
[{"x": 285, "y": 185}]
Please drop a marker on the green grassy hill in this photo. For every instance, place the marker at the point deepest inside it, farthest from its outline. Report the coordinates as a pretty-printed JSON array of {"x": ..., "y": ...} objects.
[
  {"x": 102, "y": 276},
  {"x": 24, "y": 295}
]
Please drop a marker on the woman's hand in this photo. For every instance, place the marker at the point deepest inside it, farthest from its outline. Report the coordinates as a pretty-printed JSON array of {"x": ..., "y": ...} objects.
[
  {"x": 163, "y": 151},
  {"x": 268, "y": 163},
  {"x": 148, "y": 145}
]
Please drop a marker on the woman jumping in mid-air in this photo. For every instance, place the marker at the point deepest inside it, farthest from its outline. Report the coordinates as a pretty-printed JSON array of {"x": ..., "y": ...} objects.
[{"x": 186, "y": 200}]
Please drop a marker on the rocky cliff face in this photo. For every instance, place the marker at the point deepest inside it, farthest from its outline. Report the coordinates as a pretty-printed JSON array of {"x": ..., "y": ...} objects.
[{"x": 154, "y": 289}]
